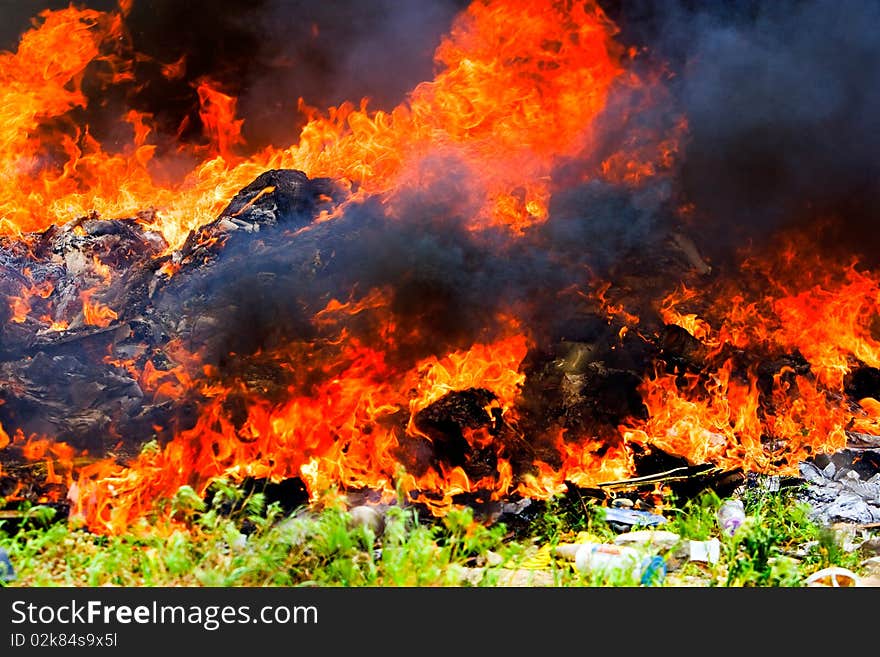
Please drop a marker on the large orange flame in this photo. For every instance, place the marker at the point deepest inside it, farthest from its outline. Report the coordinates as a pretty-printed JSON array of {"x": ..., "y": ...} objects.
[
  {"x": 520, "y": 86},
  {"x": 804, "y": 306}
]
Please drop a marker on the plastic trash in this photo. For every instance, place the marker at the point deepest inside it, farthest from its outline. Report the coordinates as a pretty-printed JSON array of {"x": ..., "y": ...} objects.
[
  {"x": 567, "y": 551},
  {"x": 625, "y": 518},
  {"x": 653, "y": 571},
  {"x": 607, "y": 559},
  {"x": 705, "y": 551},
  {"x": 7, "y": 572},
  {"x": 731, "y": 516},
  {"x": 368, "y": 517},
  {"x": 834, "y": 577}
]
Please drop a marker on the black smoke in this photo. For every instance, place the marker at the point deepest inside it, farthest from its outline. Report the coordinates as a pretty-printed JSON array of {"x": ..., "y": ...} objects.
[
  {"x": 271, "y": 53},
  {"x": 267, "y": 53},
  {"x": 782, "y": 99},
  {"x": 783, "y": 106}
]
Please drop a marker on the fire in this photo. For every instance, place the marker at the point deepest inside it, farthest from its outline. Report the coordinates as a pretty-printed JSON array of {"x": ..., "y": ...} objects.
[
  {"x": 96, "y": 313},
  {"x": 57, "y": 458},
  {"x": 217, "y": 111},
  {"x": 492, "y": 366},
  {"x": 4, "y": 437},
  {"x": 769, "y": 421},
  {"x": 344, "y": 433},
  {"x": 521, "y": 83},
  {"x": 690, "y": 322},
  {"x": 21, "y": 305},
  {"x": 521, "y": 87}
]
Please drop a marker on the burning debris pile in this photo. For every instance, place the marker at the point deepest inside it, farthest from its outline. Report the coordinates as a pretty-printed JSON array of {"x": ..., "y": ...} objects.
[{"x": 510, "y": 284}]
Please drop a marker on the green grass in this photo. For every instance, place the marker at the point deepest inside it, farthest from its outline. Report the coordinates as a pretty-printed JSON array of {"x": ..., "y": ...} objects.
[{"x": 238, "y": 540}]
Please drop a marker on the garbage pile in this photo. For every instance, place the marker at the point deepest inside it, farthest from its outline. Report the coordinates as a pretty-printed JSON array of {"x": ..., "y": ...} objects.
[
  {"x": 844, "y": 487},
  {"x": 644, "y": 553}
]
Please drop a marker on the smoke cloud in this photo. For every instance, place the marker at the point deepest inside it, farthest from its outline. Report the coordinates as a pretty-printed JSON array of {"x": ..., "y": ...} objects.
[
  {"x": 783, "y": 106},
  {"x": 270, "y": 53},
  {"x": 267, "y": 53}
]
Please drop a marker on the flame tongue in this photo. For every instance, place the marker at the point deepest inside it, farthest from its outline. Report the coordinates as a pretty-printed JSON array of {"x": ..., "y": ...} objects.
[
  {"x": 519, "y": 86},
  {"x": 347, "y": 432},
  {"x": 775, "y": 383},
  {"x": 347, "y": 378}
]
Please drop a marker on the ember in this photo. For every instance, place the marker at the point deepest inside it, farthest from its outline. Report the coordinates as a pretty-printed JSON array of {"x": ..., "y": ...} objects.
[{"x": 510, "y": 283}]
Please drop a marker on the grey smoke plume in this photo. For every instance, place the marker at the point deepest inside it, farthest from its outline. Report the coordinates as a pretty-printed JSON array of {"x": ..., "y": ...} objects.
[
  {"x": 269, "y": 53},
  {"x": 783, "y": 105}
]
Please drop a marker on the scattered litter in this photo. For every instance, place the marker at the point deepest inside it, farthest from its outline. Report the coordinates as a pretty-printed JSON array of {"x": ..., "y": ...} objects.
[
  {"x": 731, "y": 515},
  {"x": 590, "y": 556},
  {"x": 770, "y": 483},
  {"x": 849, "y": 506},
  {"x": 705, "y": 551},
  {"x": 845, "y": 535},
  {"x": 844, "y": 486},
  {"x": 653, "y": 571},
  {"x": 815, "y": 475},
  {"x": 623, "y": 519},
  {"x": 870, "y": 547},
  {"x": 834, "y": 576},
  {"x": 608, "y": 559},
  {"x": 493, "y": 558},
  {"x": 238, "y": 542},
  {"x": 871, "y": 567},
  {"x": 7, "y": 572},
  {"x": 658, "y": 538},
  {"x": 567, "y": 551}
]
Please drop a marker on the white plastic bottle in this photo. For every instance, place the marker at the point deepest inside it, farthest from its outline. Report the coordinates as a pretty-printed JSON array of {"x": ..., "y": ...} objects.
[{"x": 608, "y": 560}]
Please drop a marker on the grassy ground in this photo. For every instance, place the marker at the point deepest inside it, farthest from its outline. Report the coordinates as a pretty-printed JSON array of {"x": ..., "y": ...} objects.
[{"x": 239, "y": 541}]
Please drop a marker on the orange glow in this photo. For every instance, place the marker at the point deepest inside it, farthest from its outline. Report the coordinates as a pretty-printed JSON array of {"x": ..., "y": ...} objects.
[
  {"x": 520, "y": 88},
  {"x": 343, "y": 433},
  {"x": 175, "y": 70},
  {"x": 693, "y": 324},
  {"x": 217, "y": 111},
  {"x": 4, "y": 437},
  {"x": 56, "y": 456},
  {"x": 21, "y": 305},
  {"x": 102, "y": 270},
  {"x": 96, "y": 313},
  {"x": 814, "y": 307},
  {"x": 612, "y": 310}
]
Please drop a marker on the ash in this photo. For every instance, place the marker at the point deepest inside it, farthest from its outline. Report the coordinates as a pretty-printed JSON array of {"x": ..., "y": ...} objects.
[{"x": 845, "y": 486}]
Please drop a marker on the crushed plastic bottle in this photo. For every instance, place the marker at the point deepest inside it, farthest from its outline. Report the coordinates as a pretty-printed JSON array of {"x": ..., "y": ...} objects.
[
  {"x": 608, "y": 559},
  {"x": 624, "y": 519},
  {"x": 731, "y": 516}
]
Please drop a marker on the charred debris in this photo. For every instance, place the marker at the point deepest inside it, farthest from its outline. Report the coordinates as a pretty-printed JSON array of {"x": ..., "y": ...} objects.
[{"x": 254, "y": 275}]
